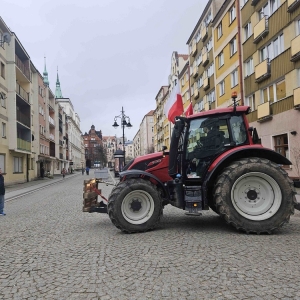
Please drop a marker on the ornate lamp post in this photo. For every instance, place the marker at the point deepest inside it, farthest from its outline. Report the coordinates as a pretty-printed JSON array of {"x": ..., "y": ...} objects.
[{"x": 125, "y": 122}]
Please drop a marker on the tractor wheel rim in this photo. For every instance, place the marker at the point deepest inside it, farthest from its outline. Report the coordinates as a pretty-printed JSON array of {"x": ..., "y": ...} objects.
[
  {"x": 256, "y": 196},
  {"x": 137, "y": 207}
]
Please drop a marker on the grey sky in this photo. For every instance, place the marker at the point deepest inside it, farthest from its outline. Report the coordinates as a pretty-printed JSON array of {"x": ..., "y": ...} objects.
[{"x": 109, "y": 53}]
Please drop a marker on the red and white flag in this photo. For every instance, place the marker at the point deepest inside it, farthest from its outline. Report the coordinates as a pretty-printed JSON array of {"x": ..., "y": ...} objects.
[
  {"x": 174, "y": 105},
  {"x": 189, "y": 110}
]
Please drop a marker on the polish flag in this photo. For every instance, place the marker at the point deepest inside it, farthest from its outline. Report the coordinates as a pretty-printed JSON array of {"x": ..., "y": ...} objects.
[
  {"x": 189, "y": 110},
  {"x": 174, "y": 105}
]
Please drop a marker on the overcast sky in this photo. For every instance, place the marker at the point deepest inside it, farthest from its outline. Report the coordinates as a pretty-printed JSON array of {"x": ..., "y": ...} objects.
[{"x": 109, "y": 53}]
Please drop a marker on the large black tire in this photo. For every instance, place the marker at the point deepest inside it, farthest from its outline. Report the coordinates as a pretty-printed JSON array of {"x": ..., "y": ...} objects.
[
  {"x": 254, "y": 195},
  {"x": 135, "y": 205}
]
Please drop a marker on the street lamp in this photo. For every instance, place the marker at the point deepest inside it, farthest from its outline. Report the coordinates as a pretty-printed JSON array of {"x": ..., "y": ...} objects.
[{"x": 125, "y": 122}]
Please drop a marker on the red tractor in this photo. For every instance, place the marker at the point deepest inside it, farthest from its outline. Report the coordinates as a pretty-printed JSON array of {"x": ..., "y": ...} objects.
[{"x": 215, "y": 161}]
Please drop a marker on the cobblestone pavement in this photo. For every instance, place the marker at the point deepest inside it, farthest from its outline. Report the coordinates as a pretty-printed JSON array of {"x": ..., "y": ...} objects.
[{"x": 50, "y": 249}]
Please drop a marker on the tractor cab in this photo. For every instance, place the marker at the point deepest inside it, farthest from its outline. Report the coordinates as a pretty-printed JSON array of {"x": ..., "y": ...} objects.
[{"x": 201, "y": 138}]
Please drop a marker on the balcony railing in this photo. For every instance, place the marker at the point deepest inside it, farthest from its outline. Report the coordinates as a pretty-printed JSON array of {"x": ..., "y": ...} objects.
[
  {"x": 195, "y": 72},
  {"x": 295, "y": 48},
  {"x": 22, "y": 118},
  {"x": 22, "y": 93},
  {"x": 194, "y": 49},
  {"x": 51, "y": 121},
  {"x": 261, "y": 29},
  {"x": 262, "y": 70},
  {"x": 264, "y": 112},
  {"x": 207, "y": 106},
  {"x": 297, "y": 98},
  {"x": 293, "y": 5},
  {"x": 22, "y": 67},
  {"x": 206, "y": 83},
  {"x": 205, "y": 59},
  {"x": 196, "y": 93},
  {"x": 23, "y": 145},
  {"x": 204, "y": 33}
]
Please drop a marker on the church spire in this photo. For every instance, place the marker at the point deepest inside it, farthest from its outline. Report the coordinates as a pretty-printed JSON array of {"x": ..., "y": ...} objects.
[
  {"x": 58, "y": 93},
  {"x": 45, "y": 74}
]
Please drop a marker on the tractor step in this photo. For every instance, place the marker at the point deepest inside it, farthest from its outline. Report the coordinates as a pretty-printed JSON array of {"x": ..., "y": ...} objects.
[{"x": 195, "y": 214}]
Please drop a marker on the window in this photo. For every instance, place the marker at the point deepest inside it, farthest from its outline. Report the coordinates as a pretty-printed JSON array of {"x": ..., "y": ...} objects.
[
  {"x": 243, "y": 2},
  {"x": 298, "y": 27},
  {"x": 2, "y": 162},
  {"x": 210, "y": 70},
  {"x": 247, "y": 31},
  {"x": 234, "y": 78},
  {"x": 281, "y": 145},
  {"x": 211, "y": 96},
  {"x": 2, "y": 70},
  {"x": 274, "y": 92},
  {"x": 219, "y": 30},
  {"x": 249, "y": 68},
  {"x": 199, "y": 59},
  {"x": 200, "y": 82},
  {"x": 182, "y": 82},
  {"x": 268, "y": 9},
  {"x": 4, "y": 130},
  {"x": 233, "y": 48},
  {"x": 18, "y": 164},
  {"x": 250, "y": 101},
  {"x": 222, "y": 87},
  {"x": 209, "y": 45},
  {"x": 221, "y": 59},
  {"x": 232, "y": 14}
]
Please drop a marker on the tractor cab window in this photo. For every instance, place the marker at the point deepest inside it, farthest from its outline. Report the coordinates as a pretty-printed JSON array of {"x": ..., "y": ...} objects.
[
  {"x": 205, "y": 139},
  {"x": 238, "y": 130}
]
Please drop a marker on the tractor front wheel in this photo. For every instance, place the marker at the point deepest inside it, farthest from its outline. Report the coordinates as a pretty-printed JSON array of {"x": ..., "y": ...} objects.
[
  {"x": 135, "y": 205},
  {"x": 254, "y": 195}
]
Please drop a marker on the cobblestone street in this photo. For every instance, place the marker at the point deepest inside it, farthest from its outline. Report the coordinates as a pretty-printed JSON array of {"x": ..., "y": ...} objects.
[{"x": 50, "y": 249}]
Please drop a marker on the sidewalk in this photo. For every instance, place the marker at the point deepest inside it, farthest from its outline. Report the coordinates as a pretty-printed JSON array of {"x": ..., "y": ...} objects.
[{"x": 20, "y": 189}]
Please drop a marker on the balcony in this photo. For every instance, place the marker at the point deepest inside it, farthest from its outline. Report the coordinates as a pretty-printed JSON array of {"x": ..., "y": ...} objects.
[
  {"x": 195, "y": 72},
  {"x": 205, "y": 59},
  {"x": 295, "y": 48},
  {"x": 254, "y": 2},
  {"x": 22, "y": 67},
  {"x": 262, "y": 71},
  {"x": 264, "y": 112},
  {"x": 297, "y": 98},
  {"x": 293, "y": 5},
  {"x": 22, "y": 93},
  {"x": 194, "y": 49},
  {"x": 51, "y": 122},
  {"x": 206, "y": 83},
  {"x": 23, "y": 145},
  {"x": 261, "y": 29},
  {"x": 204, "y": 33}
]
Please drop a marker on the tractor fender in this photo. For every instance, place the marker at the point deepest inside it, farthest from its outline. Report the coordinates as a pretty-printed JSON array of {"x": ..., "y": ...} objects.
[
  {"x": 142, "y": 174},
  {"x": 237, "y": 153}
]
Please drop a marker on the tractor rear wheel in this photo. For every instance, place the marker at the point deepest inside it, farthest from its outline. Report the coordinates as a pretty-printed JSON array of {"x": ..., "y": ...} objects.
[
  {"x": 254, "y": 195},
  {"x": 135, "y": 205}
]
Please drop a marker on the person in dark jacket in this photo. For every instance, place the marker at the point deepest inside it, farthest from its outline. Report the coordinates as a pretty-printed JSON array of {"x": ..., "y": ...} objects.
[{"x": 2, "y": 193}]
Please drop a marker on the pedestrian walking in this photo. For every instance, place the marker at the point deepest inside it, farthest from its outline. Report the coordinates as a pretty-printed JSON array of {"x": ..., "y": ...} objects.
[
  {"x": 87, "y": 170},
  {"x": 2, "y": 193},
  {"x": 63, "y": 172}
]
